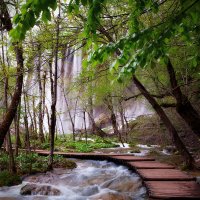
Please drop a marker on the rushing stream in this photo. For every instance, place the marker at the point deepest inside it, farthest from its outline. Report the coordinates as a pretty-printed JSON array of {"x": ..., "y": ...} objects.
[{"x": 91, "y": 180}]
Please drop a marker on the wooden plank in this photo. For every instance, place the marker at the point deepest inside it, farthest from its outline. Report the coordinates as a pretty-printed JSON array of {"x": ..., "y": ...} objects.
[
  {"x": 150, "y": 165},
  {"x": 173, "y": 189},
  {"x": 131, "y": 158},
  {"x": 164, "y": 174},
  {"x": 45, "y": 152}
]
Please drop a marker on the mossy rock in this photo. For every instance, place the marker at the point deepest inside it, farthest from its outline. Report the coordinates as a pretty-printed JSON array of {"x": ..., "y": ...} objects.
[{"x": 64, "y": 163}]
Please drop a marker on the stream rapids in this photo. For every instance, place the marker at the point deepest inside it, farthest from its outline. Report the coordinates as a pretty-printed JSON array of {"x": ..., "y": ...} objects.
[{"x": 91, "y": 180}]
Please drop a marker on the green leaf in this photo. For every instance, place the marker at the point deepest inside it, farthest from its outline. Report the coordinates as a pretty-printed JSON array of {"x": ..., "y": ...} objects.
[
  {"x": 84, "y": 2},
  {"x": 53, "y": 4},
  {"x": 17, "y": 18},
  {"x": 46, "y": 15}
]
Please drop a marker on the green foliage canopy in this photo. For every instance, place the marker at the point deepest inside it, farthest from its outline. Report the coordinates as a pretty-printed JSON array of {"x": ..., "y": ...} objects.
[
  {"x": 30, "y": 12},
  {"x": 143, "y": 44}
]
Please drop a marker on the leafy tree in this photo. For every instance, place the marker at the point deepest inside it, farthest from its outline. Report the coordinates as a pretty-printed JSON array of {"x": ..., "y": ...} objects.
[
  {"x": 144, "y": 45},
  {"x": 12, "y": 108},
  {"x": 147, "y": 38}
]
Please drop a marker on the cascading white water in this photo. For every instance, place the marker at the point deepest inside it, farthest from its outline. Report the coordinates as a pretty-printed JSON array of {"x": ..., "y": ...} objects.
[
  {"x": 91, "y": 180},
  {"x": 68, "y": 100}
]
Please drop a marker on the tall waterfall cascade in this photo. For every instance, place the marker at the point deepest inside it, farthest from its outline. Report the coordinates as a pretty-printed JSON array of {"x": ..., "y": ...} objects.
[{"x": 68, "y": 104}]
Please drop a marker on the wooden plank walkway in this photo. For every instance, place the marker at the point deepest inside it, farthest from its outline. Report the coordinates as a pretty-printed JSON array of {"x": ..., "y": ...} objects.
[
  {"x": 150, "y": 165},
  {"x": 162, "y": 180},
  {"x": 164, "y": 175},
  {"x": 131, "y": 158},
  {"x": 173, "y": 189}
]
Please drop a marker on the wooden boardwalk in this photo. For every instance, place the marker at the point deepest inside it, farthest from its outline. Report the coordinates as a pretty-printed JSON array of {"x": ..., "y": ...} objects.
[{"x": 161, "y": 180}]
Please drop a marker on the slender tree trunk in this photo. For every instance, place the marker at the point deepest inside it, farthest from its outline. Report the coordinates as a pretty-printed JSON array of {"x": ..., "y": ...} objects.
[
  {"x": 70, "y": 116},
  {"x": 63, "y": 132},
  {"x": 85, "y": 127},
  {"x": 91, "y": 111},
  {"x": 34, "y": 117},
  {"x": 121, "y": 112},
  {"x": 113, "y": 119},
  {"x": 54, "y": 95},
  {"x": 189, "y": 161},
  {"x": 41, "y": 134},
  {"x": 27, "y": 138},
  {"x": 48, "y": 120},
  {"x": 32, "y": 132},
  {"x": 52, "y": 119},
  {"x": 183, "y": 105},
  {"x": 44, "y": 92},
  {"x": 17, "y": 121}
]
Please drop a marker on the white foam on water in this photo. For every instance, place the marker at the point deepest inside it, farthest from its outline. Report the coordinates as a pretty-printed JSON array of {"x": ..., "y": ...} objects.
[{"x": 89, "y": 179}]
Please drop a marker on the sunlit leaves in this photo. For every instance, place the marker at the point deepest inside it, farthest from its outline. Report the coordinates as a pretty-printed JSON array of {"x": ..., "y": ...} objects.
[
  {"x": 94, "y": 11},
  {"x": 46, "y": 15},
  {"x": 30, "y": 13}
]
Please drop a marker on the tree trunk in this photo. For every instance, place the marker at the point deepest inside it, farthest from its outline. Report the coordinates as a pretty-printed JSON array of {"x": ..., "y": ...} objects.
[
  {"x": 85, "y": 127},
  {"x": 12, "y": 167},
  {"x": 41, "y": 134},
  {"x": 63, "y": 132},
  {"x": 34, "y": 117},
  {"x": 48, "y": 120},
  {"x": 12, "y": 109},
  {"x": 32, "y": 132},
  {"x": 52, "y": 119},
  {"x": 27, "y": 138},
  {"x": 54, "y": 94},
  {"x": 44, "y": 92},
  {"x": 189, "y": 161},
  {"x": 113, "y": 119},
  {"x": 17, "y": 121},
  {"x": 183, "y": 105},
  {"x": 72, "y": 120},
  {"x": 121, "y": 112},
  {"x": 96, "y": 129},
  {"x": 90, "y": 102}
]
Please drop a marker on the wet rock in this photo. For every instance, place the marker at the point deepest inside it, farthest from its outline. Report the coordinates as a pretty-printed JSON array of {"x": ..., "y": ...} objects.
[
  {"x": 88, "y": 191},
  {"x": 170, "y": 149},
  {"x": 33, "y": 189},
  {"x": 103, "y": 121},
  {"x": 123, "y": 184},
  {"x": 48, "y": 177},
  {"x": 110, "y": 196}
]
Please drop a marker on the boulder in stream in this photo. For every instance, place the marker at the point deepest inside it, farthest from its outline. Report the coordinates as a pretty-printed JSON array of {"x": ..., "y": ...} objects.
[
  {"x": 33, "y": 189},
  {"x": 123, "y": 184}
]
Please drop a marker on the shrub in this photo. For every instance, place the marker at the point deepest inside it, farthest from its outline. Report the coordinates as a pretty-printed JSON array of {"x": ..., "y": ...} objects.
[
  {"x": 60, "y": 161},
  {"x": 4, "y": 161},
  {"x": 8, "y": 179}
]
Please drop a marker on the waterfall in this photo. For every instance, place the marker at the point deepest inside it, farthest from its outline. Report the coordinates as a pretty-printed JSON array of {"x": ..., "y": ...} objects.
[
  {"x": 68, "y": 100},
  {"x": 69, "y": 68}
]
